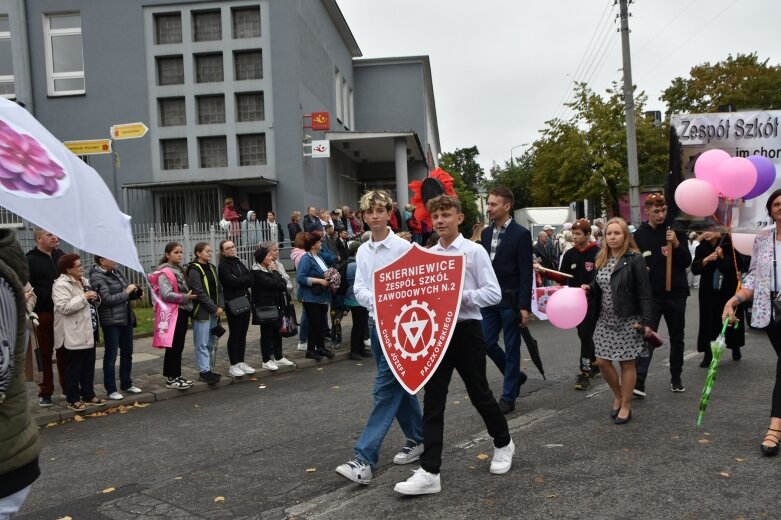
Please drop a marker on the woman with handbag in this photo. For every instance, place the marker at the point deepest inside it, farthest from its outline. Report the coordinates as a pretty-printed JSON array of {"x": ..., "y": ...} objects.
[
  {"x": 268, "y": 291},
  {"x": 621, "y": 296},
  {"x": 315, "y": 295},
  {"x": 236, "y": 281},
  {"x": 205, "y": 284},
  {"x": 172, "y": 309},
  {"x": 74, "y": 329},
  {"x": 763, "y": 284},
  {"x": 714, "y": 264}
]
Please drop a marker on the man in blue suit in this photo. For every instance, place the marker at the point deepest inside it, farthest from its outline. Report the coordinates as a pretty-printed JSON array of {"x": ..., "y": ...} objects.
[{"x": 510, "y": 247}]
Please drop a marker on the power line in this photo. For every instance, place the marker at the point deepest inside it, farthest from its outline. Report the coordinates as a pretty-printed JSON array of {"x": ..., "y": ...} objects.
[{"x": 660, "y": 32}]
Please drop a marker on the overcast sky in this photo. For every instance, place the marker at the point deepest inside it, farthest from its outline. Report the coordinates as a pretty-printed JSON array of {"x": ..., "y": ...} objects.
[{"x": 501, "y": 67}]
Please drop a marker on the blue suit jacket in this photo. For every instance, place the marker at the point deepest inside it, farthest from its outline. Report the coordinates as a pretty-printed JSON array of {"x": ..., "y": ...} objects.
[{"x": 512, "y": 264}]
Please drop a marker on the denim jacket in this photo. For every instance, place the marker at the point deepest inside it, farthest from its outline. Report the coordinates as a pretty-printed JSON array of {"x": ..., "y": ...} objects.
[{"x": 307, "y": 270}]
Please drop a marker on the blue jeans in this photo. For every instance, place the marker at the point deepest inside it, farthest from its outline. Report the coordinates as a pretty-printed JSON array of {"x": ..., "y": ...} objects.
[
  {"x": 390, "y": 401},
  {"x": 495, "y": 319},
  {"x": 117, "y": 337},
  {"x": 204, "y": 342}
]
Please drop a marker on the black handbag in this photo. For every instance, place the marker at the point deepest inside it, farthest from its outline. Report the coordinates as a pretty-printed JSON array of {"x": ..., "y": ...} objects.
[
  {"x": 267, "y": 315},
  {"x": 239, "y": 305},
  {"x": 289, "y": 326}
]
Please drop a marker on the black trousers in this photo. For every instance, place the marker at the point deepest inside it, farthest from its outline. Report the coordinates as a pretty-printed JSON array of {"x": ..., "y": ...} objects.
[
  {"x": 360, "y": 323},
  {"x": 586, "y": 336},
  {"x": 673, "y": 308},
  {"x": 316, "y": 314},
  {"x": 466, "y": 354},
  {"x": 172, "y": 362},
  {"x": 270, "y": 342},
  {"x": 80, "y": 375},
  {"x": 774, "y": 333},
  {"x": 238, "y": 325}
]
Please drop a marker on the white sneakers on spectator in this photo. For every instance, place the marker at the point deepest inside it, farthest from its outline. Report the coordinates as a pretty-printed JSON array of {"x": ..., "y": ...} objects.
[
  {"x": 115, "y": 396},
  {"x": 133, "y": 390},
  {"x": 410, "y": 452},
  {"x": 301, "y": 347},
  {"x": 420, "y": 483},
  {"x": 236, "y": 371},
  {"x": 367, "y": 343},
  {"x": 503, "y": 459},
  {"x": 270, "y": 365},
  {"x": 245, "y": 368},
  {"x": 284, "y": 362},
  {"x": 356, "y": 470}
]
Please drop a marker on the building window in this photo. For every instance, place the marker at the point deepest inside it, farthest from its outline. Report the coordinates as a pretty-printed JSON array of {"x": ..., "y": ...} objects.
[
  {"x": 338, "y": 93},
  {"x": 214, "y": 151},
  {"x": 207, "y": 26},
  {"x": 246, "y": 22},
  {"x": 64, "y": 55},
  {"x": 170, "y": 70},
  {"x": 174, "y": 154},
  {"x": 172, "y": 112},
  {"x": 252, "y": 149},
  {"x": 208, "y": 68},
  {"x": 211, "y": 109},
  {"x": 6, "y": 60},
  {"x": 351, "y": 107},
  {"x": 168, "y": 28},
  {"x": 249, "y": 65},
  {"x": 249, "y": 107}
]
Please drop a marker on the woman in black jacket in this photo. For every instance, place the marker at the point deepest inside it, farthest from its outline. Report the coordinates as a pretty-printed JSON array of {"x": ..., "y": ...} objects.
[
  {"x": 621, "y": 294},
  {"x": 236, "y": 281},
  {"x": 268, "y": 289}
]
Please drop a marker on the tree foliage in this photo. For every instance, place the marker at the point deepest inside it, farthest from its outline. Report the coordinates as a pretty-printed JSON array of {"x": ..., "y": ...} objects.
[
  {"x": 742, "y": 81},
  {"x": 453, "y": 163},
  {"x": 464, "y": 162},
  {"x": 516, "y": 175}
]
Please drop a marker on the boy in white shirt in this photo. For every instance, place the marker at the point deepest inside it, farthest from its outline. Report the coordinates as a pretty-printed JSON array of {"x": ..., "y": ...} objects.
[
  {"x": 466, "y": 354},
  {"x": 391, "y": 400}
]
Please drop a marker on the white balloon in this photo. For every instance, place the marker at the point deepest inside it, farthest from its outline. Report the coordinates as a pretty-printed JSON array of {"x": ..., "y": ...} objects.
[{"x": 743, "y": 242}]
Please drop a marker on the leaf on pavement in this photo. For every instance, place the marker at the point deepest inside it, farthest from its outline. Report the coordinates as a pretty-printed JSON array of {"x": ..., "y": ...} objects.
[
  {"x": 704, "y": 441},
  {"x": 359, "y": 364},
  {"x": 489, "y": 501},
  {"x": 51, "y": 425},
  {"x": 739, "y": 459},
  {"x": 140, "y": 405},
  {"x": 335, "y": 387},
  {"x": 539, "y": 480},
  {"x": 456, "y": 402},
  {"x": 262, "y": 387},
  {"x": 109, "y": 490},
  {"x": 472, "y": 467},
  {"x": 551, "y": 496},
  {"x": 219, "y": 499},
  {"x": 311, "y": 470},
  {"x": 483, "y": 456},
  {"x": 724, "y": 474},
  {"x": 177, "y": 478},
  {"x": 64, "y": 518},
  {"x": 706, "y": 433},
  {"x": 253, "y": 378},
  {"x": 78, "y": 418}
]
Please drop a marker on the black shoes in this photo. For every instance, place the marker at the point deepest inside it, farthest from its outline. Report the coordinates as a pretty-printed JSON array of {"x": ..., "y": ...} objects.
[
  {"x": 506, "y": 406},
  {"x": 614, "y": 413},
  {"x": 736, "y": 354},
  {"x": 705, "y": 363},
  {"x": 355, "y": 356},
  {"x": 676, "y": 386},
  {"x": 209, "y": 377},
  {"x": 625, "y": 420},
  {"x": 313, "y": 355},
  {"x": 771, "y": 451},
  {"x": 365, "y": 354},
  {"x": 582, "y": 382},
  {"x": 327, "y": 353}
]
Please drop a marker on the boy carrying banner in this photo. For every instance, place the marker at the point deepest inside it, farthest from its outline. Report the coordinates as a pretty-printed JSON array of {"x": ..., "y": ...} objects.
[{"x": 466, "y": 354}]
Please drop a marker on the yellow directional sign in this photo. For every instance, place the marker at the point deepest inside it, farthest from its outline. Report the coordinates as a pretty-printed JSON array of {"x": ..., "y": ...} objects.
[
  {"x": 90, "y": 147},
  {"x": 128, "y": 131}
]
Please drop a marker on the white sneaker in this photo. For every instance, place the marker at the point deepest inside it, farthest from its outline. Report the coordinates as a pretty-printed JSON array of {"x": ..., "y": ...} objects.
[
  {"x": 270, "y": 365},
  {"x": 245, "y": 368},
  {"x": 301, "y": 347},
  {"x": 115, "y": 396},
  {"x": 410, "y": 452},
  {"x": 133, "y": 390},
  {"x": 235, "y": 371},
  {"x": 503, "y": 459},
  {"x": 367, "y": 343},
  {"x": 284, "y": 362},
  {"x": 356, "y": 471},
  {"x": 420, "y": 483}
]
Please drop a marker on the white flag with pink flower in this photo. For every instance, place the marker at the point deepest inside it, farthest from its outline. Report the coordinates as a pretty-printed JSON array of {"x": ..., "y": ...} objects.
[{"x": 43, "y": 182}]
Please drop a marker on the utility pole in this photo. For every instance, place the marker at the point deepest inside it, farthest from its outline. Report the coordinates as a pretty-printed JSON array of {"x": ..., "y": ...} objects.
[{"x": 629, "y": 111}]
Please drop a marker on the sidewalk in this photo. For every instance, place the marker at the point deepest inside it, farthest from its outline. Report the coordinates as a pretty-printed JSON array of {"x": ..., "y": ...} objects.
[{"x": 147, "y": 372}]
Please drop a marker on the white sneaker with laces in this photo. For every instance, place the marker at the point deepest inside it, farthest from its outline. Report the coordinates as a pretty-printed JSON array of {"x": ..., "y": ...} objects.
[
  {"x": 133, "y": 390},
  {"x": 356, "y": 471},
  {"x": 420, "y": 483},
  {"x": 410, "y": 452},
  {"x": 503, "y": 459},
  {"x": 245, "y": 368},
  {"x": 301, "y": 347},
  {"x": 115, "y": 396},
  {"x": 270, "y": 365},
  {"x": 284, "y": 362},
  {"x": 235, "y": 371}
]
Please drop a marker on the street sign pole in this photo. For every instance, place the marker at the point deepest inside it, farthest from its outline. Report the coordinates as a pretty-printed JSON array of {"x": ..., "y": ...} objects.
[{"x": 120, "y": 132}]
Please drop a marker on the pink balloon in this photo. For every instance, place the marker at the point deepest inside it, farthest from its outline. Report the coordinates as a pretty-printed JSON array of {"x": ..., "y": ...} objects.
[
  {"x": 567, "y": 307},
  {"x": 705, "y": 166},
  {"x": 696, "y": 197},
  {"x": 743, "y": 242},
  {"x": 736, "y": 177}
]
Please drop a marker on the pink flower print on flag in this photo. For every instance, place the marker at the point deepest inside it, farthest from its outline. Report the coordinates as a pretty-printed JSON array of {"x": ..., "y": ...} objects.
[{"x": 26, "y": 167}]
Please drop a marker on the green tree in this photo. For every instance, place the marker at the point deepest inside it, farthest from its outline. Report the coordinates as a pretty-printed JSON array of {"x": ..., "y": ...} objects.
[
  {"x": 464, "y": 162},
  {"x": 742, "y": 81},
  {"x": 516, "y": 175},
  {"x": 468, "y": 197}
]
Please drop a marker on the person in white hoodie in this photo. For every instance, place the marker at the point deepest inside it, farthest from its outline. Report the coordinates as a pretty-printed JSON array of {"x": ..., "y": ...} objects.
[{"x": 252, "y": 230}]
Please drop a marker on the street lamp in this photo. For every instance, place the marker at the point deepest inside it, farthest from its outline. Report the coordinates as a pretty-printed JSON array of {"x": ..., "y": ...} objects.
[{"x": 513, "y": 148}]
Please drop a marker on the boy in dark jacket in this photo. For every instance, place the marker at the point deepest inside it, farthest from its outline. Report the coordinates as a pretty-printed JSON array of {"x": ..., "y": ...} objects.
[
  {"x": 656, "y": 240},
  {"x": 579, "y": 262}
]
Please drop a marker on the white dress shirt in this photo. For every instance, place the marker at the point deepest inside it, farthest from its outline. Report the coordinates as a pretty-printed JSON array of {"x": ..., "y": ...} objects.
[
  {"x": 370, "y": 257},
  {"x": 481, "y": 288}
]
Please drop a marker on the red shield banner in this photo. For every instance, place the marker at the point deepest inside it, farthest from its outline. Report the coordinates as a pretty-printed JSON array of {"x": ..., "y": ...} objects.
[{"x": 417, "y": 299}]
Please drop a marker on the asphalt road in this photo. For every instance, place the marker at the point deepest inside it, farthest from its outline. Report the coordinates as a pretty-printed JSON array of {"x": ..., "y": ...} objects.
[{"x": 244, "y": 451}]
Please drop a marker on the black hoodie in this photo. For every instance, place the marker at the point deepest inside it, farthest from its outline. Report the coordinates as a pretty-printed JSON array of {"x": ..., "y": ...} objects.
[
  {"x": 580, "y": 264},
  {"x": 652, "y": 243},
  {"x": 43, "y": 272}
]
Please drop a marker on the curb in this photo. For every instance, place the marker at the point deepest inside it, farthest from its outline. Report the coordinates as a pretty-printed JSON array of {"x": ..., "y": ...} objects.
[{"x": 57, "y": 414}]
